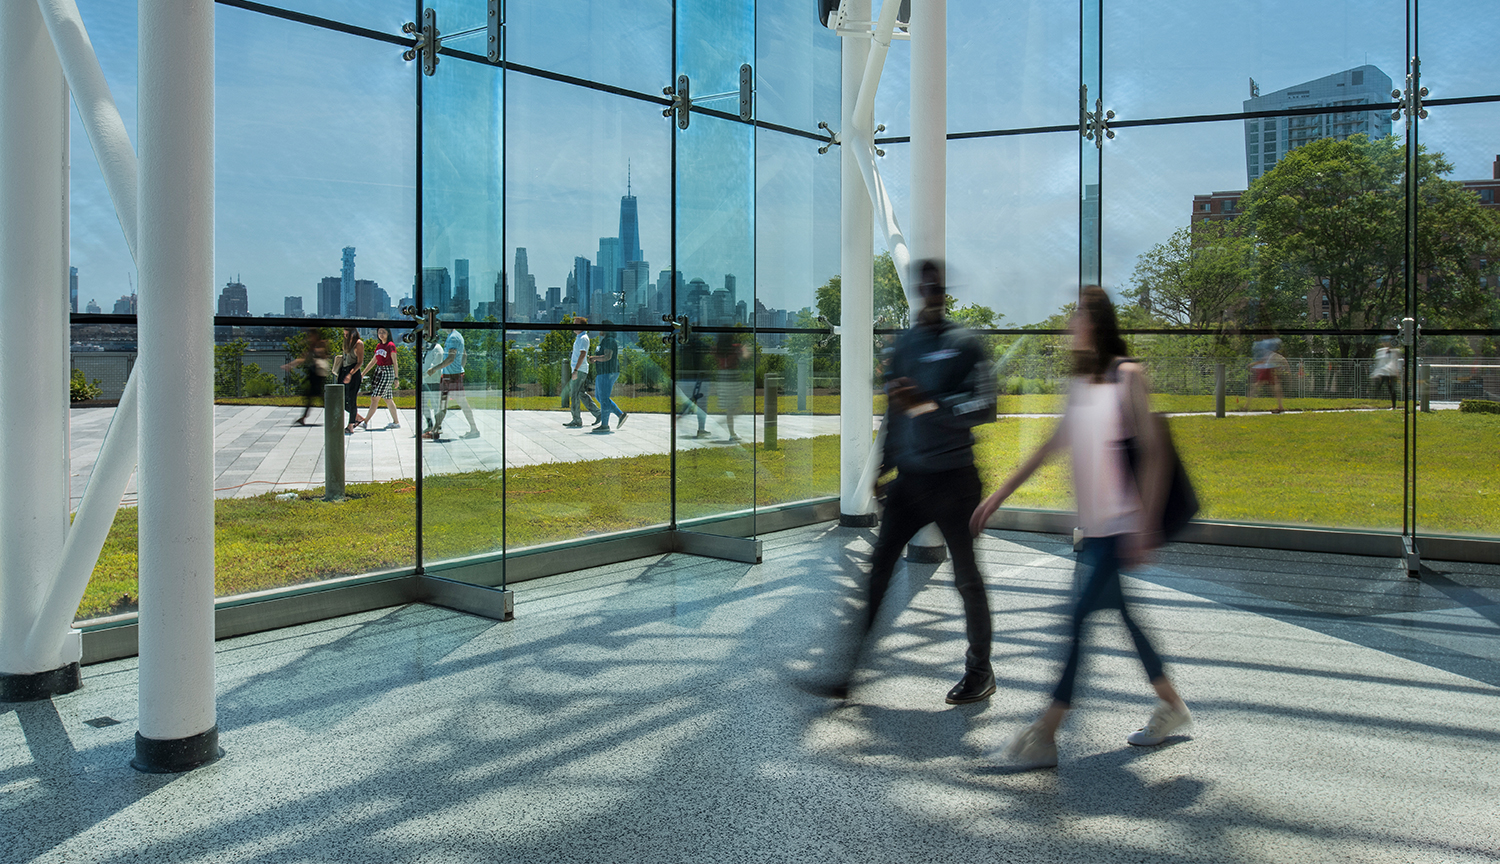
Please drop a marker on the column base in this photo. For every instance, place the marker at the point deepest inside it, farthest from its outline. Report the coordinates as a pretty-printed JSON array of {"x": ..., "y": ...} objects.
[
  {"x": 857, "y": 520},
  {"x": 40, "y": 685},
  {"x": 153, "y": 756},
  {"x": 926, "y": 554}
]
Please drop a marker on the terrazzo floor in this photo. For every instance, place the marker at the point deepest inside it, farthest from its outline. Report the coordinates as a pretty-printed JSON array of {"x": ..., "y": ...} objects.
[{"x": 646, "y": 712}]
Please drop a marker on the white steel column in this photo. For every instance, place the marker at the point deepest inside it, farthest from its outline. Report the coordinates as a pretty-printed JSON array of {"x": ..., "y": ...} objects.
[
  {"x": 178, "y": 727},
  {"x": 929, "y": 169},
  {"x": 857, "y": 292},
  {"x": 33, "y": 344}
]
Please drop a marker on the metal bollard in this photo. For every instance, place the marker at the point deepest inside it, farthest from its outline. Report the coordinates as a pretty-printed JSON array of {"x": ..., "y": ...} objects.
[
  {"x": 1424, "y": 391},
  {"x": 804, "y": 382},
  {"x": 333, "y": 442},
  {"x": 773, "y": 393},
  {"x": 1218, "y": 389}
]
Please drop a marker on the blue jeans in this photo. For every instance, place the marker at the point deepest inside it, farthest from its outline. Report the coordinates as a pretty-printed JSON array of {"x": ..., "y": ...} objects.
[
  {"x": 604, "y": 384},
  {"x": 1101, "y": 555}
]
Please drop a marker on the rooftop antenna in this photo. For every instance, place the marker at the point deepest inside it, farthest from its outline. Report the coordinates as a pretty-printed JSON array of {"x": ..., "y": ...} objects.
[{"x": 627, "y": 178}]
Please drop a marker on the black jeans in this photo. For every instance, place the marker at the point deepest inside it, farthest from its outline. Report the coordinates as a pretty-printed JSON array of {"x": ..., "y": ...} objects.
[
  {"x": 1101, "y": 555},
  {"x": 351, "y": 396},
  {"x": 947, "y": 498}
]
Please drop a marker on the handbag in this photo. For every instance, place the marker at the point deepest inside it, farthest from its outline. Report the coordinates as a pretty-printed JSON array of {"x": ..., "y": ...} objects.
[{"x": 1180, "y": 504}]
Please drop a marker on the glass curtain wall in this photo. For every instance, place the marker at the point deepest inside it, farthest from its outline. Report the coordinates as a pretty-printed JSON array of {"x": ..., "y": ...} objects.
[{"x": 521, "y": 195}]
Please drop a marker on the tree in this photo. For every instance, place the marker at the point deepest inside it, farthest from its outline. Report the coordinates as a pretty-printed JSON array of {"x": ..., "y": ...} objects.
[
  {"x": 891, "y": 309},
  {"x": 1196, "y": 277},
  {"x": 1329, "y": 220}
]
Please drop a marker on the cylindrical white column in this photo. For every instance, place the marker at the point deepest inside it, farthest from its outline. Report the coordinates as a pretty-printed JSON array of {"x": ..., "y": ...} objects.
[
  {"x": 33, "y": 344},
  {"x": 857, "y": 293},
  {"x": 176, "y": 236},
  {"x": 929, "y": 168},
  {"x": 929, "y": 128}
]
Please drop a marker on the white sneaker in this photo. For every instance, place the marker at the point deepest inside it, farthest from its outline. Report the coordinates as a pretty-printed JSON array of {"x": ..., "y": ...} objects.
[
  {"x": 1164, "y": 721},
  {"x": 1029, "y": 750}
]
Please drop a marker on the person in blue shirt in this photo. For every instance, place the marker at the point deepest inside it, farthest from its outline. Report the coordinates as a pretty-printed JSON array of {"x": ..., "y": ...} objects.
[{"x": 451, "y": 386}]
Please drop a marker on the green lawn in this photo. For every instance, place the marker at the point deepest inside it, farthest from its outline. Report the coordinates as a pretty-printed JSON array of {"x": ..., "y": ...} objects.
[{"x": 1330, "y": 470}]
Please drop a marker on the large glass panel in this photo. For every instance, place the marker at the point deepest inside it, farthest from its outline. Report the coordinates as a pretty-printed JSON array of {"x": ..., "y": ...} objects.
[
  {"x": 315, "y": 217},
  {"x": 797, "y": 257},
  {"x": 462, "y": 277},
  {"x": 1176, "y": 58},
  {"x": 1012, "y": 65},
  {"x": 589, "y": 235},
  {"x": 1454, "y": 63},
  {"x": 1313, "y": 243},
  {"x": 386, "y": 16},
  {"x": 715, "y": 252},
  {"x": 626, "y": 44},
  {"x": 1458, "y": 288},
  {"x": 797, "y": 67}
]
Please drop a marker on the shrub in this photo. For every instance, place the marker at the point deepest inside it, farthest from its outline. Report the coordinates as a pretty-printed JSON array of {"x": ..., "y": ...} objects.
[
  {"x": 1476, "y": 406},
  {"x": 79, "y": 388}
]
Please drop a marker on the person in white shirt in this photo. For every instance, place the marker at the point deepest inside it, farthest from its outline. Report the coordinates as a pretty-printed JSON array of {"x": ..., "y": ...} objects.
[
  {"x": 451, "y": 386},
  {"x": 432, "y": 374},
  {"x": 576, "y": 377},
  {"x": 1108, "y": 404},
  {"x": 1388, "y": 364}
]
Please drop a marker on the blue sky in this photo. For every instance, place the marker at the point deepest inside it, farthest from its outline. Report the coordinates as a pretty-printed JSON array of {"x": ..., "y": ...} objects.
[{"x": 317, "y": 146}]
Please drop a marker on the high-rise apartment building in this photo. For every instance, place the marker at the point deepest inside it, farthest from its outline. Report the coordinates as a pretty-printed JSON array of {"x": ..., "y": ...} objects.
[
  {"x": 73, "y": 289},
  {"x": 1267, "y": 139},
  {"x": 370, "y": 300},
  {"x": 346, "y": 283},
  {"x": 292, "y": 307},
  {"x": 234, "y": 299},
  {"x": 460, "y": 302}
]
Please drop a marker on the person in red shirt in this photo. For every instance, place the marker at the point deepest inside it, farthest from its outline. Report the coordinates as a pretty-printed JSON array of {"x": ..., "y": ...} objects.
[{"x": 383, "y": 385}]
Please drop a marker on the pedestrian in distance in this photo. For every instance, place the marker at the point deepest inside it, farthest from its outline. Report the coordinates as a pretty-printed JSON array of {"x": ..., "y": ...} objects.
[
  {"x": 383, "y": 385},
  {"x": 315, "y": 365},
  {"x": 939, "y": 386},
  {"x": 350, "y": 363},
  {"x": 1388, "y": 367},
  {"x": 1267, "y": 367},
  {"x": 576, "y": 377},
  {"x": 731, "y": 385},
  {"x": 606, "y": 373},
  {"x": 1108, "y": 403},
  {"x": 432, "y": 375},
  {"x": 451, "y": 387}
]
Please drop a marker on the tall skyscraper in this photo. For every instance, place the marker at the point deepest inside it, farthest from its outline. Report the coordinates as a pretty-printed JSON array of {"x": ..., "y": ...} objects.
[
  {"x": 370, "y": 300},
  {"x": 437, "y": 289},
  {"x": 609, "y": 261},
  {"x": 729, "y": 286},
  {"x": 1267, "y": 139},
  {"x": 234, "y": 299},
  {"x": 461, "y": 287},
  {"x": 292, "y": 307},
  {"x": 73, "y": 289},
  {"x": 525, "y": 299},
  {"x": 634, "y": 279},
  {"x": 346, "y": 283},
  {"x": 330, "y": 297},
  {"x": 93, "y": 308},
  {"x": 583, "y": 272},
  {"x": 630, "y": 226}
]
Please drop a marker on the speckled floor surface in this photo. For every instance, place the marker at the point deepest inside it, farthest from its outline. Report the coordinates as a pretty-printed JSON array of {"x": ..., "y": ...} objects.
[{"x": 645, "y": 712}]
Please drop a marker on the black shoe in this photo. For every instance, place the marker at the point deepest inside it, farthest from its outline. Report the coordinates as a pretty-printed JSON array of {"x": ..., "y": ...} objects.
[
  {"x": 973, "y": 687},
  {"x": 578, "y": 425}
]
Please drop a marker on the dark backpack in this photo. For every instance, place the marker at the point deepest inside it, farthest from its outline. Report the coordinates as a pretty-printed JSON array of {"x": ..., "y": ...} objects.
[{"x": 1181, "y": 503}]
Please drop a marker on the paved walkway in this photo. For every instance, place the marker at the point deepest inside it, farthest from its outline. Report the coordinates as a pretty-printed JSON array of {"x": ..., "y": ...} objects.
[
  {"x": 645, "y": 712},
  {"x": 257, "y": 448}
]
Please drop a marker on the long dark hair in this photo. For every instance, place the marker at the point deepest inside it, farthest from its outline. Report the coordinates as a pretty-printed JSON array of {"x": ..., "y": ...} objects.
[{"x": 1094, "y": 360}]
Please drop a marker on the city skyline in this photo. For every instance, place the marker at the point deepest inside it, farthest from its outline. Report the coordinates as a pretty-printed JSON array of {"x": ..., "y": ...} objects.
[{"x": 336, "y": 115}]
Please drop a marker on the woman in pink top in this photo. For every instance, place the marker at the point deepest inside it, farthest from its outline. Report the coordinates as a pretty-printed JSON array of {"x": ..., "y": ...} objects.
[
  {"x": 1108, "y": 404},
  {"x": 383, "y": 385}
]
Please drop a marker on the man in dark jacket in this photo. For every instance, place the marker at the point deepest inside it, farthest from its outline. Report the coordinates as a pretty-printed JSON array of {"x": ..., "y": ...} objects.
[{"x": 939, "y": 386}]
